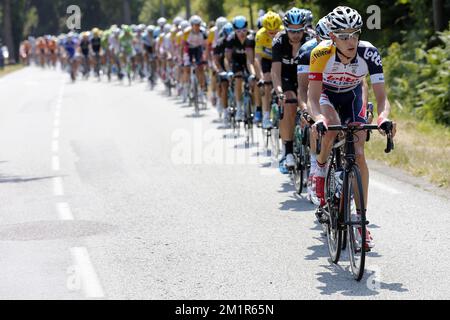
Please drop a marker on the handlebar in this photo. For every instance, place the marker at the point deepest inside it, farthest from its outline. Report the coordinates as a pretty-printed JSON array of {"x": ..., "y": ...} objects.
[{"x": 354, "y": 127}]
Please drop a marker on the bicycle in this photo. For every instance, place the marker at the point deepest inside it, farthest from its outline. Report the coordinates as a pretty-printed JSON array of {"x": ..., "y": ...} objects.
[
  {"x": 272, "y": 134},
  {"x": 248, "y": 114},
  {"x": 300, "y": 173},
  {"x": 232, "y": 105},
  {"x": 344, "y": 192}
]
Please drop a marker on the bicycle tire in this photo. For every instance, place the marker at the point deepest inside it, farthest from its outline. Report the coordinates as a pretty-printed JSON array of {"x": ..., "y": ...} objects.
[
  {"x": 356, "y": 265},
  {"x": 334, "y": 231}
]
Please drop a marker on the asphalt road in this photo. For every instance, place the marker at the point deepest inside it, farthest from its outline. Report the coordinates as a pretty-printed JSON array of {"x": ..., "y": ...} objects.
[{"x": 116, "y": 192}]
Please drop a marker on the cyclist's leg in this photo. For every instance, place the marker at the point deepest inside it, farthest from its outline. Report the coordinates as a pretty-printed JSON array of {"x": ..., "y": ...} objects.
[{"x": 354, "y": 110}]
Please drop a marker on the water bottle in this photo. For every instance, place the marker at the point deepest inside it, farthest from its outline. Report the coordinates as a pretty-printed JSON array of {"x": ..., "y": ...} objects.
[{"x": 339, "y": 179}]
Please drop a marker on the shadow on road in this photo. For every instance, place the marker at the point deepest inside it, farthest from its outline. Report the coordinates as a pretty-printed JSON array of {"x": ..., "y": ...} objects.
[
  {"x": 338, "y": 279},
  {"x": 15, "y": 179}
]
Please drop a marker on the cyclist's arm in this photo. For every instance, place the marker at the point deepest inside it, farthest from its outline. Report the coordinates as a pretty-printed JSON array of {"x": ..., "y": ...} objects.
[
  {"x": 302, "y": 91},
  {"x": 216, "y": 63},
  {"x": 250, "y": 53},
  {"x": 365, "y": 92},
  {"x": 228, "y": 59},
  {"x": 276, "y": 77},
  {"x": 383, "y": 105},
  {"x": 315, "y": 90},
  {"x": 258, "y": 68}
]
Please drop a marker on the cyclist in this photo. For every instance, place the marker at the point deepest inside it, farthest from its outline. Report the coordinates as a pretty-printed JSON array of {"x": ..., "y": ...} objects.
[
  {"x": 149, "y": 52},
  {"x": 161, "y": 22},
  {"x": 167, "y": 52},
  {"x": 219, "y": 67},
  {"x": 272, "y": 24},
  {"x": 52, "y": 50},
  {"x": 96, "y": 45},
  {"x": 138, "y": 46},
  {"x": 240, "y": 55},
  {"x": 70, "y": 46},
  {"x": 213, "y": 37},
  {"x": 85, "y": 44},
  {"x": 25, "y": 51},
  {"x": 127, "y": 52},
  {"x": 194, "y": 40},
  {"x": 284, "y": 76},
  {"x": 335, "y": 91},
  {"x": 41, "y": 46}
]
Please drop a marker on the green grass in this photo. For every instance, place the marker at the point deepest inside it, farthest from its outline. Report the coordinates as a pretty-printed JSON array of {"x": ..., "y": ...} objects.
[
  {"x": 421, "y": 148},
  {"x": 10, "y": 68}
]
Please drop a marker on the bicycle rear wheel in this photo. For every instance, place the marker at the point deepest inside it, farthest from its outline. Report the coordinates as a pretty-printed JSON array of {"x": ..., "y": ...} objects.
[{"x": 356, "y": 224}]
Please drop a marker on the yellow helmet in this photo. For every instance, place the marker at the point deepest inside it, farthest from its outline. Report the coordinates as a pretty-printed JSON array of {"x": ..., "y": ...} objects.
[
  {"x": 272, "y": 21},
  {"x": 96, "y": 31}
]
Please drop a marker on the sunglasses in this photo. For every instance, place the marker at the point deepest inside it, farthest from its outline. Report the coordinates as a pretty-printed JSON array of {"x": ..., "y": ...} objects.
[
  {"x": 295, "y": 30},
  {"x": 345, "y": 36},
  {"x": 241, "y": 30}
]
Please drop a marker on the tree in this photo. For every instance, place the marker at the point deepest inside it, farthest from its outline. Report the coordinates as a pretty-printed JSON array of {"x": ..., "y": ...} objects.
[
  {"x": 8, "y": 31},
  {"x": 126, "y": 12}
]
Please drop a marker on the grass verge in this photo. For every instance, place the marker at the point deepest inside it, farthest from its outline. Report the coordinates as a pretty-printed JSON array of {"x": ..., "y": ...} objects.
[
  {"x": 421, "y": 148},
  {"x": 10, "y": 68}
]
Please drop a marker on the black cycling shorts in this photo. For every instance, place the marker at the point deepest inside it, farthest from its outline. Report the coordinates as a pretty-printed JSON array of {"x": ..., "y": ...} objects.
[
  {"x": 266, "y": 65},
  {"x": 349, "y": 105}
]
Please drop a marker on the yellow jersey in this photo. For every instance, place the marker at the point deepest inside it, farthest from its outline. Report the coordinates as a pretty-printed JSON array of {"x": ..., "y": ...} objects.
[{"x": 263, "y": 45}]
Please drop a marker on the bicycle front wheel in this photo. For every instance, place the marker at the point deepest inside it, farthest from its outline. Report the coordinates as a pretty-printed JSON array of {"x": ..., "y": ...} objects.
[{"x": 356, "y": 224}]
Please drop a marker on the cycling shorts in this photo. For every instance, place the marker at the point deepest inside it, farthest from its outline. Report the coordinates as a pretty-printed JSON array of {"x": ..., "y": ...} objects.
[
  {"x": 266, "y": 65},
  {"x": 349, "y": 105}
]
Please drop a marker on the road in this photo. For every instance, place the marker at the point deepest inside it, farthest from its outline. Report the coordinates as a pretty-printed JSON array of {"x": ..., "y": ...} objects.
[{"x": 116, "y": 192}]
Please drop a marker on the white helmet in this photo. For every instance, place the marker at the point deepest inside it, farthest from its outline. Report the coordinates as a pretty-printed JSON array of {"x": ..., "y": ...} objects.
[
  {"x": 322, "y": 28},
  {"x": 167, "y": 28},
  {"x": 150, "y": 28},
  {"x": 177, "y": 21},
  {"x": 195, "y": 20},
  {"x": 342, "y": 18},
  {"x": 184, "y": 24},
  {"x": 221, "y": 22},
  {"x": 161, "y": 22}
]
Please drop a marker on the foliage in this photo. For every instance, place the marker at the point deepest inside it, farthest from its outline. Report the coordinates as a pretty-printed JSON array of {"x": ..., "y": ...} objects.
[{"x": 420, "y": 79}]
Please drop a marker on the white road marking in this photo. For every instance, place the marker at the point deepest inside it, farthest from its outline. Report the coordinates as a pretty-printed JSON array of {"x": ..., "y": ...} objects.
[
  {"x": 89, "y": 279},
  {"x": 55, "y": 146},
  {"x": 383, "y": 187},
  {"x": 56, "y": 123},
  {"x": 55, "y": 163},
  {"x": 56, "y": 133},
  {"x": 64, "y": 211},
  {"x": 58, "y": 186}
]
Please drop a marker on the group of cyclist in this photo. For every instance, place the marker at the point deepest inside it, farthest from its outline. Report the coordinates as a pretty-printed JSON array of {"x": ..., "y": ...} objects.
[{"x": 315, "y": 71}]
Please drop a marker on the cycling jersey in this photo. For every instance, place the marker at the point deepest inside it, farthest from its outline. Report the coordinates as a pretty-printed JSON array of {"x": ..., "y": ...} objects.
[
  {"x": 84, "y": 46},
  {"x": 194, "y": 40},
  {"x": 282, "y": 52},
  {"x": 138, "y": 44},
  {"x": 304, "y": 56},
  {"x": 238, "y": 49},
  {"x": 219, "y": 50},
  {"x": 147, "y": 39},
  {"x": 263, "y": 44},
  {"x": 51, "y": 44},
  {"x": 70, "y": 47},
  {"x": 167, "y": 43},
  {"x": 96, "y": 43},
  {"x": 212, "y": 37},
  {"x": 326, "y": 66},
  {"x": 126, "y": 44}
]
